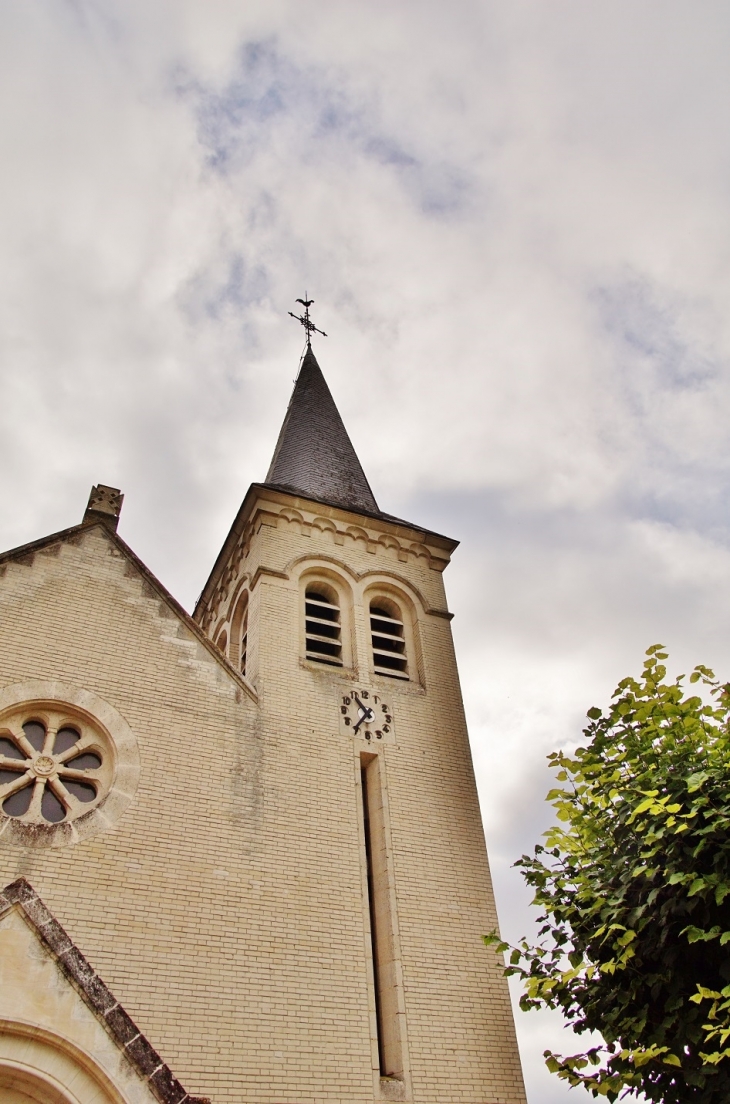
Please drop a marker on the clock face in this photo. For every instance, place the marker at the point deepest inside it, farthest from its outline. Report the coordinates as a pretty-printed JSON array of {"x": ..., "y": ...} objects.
[{"x": 366, "y": 715}]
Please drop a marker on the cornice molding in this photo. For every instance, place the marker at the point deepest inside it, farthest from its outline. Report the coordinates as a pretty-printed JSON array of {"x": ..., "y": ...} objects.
[{"x": 267, "y": 506}]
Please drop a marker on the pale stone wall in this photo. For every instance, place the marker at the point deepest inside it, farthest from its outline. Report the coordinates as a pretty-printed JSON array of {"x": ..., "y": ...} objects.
[
  {"x": 51, "y": 1044},
  {"x": 225, "y": 907},
  {"x": 156, "y": 902},
  {"x": 460, "y": 1032}
]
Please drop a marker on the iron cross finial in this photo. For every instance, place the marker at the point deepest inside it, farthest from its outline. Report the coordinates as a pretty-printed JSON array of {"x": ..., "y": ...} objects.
[{"x": 309, "y": 326}]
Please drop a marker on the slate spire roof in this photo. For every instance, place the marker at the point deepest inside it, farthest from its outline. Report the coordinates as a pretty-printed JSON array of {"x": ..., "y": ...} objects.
[{"x": 314, "y": 456}]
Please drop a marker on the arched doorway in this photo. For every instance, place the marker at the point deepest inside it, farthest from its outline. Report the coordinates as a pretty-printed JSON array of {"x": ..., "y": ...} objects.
[
  {"x": 20, "y": 1085},
  {"x": 15, "y": 1096},
  {"x": 40, "y": 1067}
]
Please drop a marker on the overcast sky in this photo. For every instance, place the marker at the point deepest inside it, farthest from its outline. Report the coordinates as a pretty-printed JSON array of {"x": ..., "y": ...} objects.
[{"x": 513, "y": 218}]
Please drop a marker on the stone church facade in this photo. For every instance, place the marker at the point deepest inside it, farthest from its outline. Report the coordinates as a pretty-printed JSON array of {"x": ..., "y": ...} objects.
[{"x": 242, "y": 852}]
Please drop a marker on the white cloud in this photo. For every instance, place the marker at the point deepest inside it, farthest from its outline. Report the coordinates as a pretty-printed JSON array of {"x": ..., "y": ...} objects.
[{"x": 514, "y": 221}]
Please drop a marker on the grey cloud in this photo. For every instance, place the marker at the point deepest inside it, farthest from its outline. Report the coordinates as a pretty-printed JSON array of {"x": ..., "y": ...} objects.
[
  {"x": 321, "y": 118},
  {"x": 513, "y": 219},
  {"x": 647, "y": 333}
]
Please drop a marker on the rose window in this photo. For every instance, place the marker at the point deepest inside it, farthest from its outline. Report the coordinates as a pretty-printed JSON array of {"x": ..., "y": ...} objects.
[{"x": 53, "y": 767}]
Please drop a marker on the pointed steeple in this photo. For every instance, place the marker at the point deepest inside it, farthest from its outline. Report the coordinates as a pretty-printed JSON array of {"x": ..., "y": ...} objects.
[{"x": 314, "y": 456}]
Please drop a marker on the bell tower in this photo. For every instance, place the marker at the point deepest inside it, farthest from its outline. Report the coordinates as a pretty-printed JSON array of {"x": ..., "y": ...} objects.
[{"x": 367, "y": 979}]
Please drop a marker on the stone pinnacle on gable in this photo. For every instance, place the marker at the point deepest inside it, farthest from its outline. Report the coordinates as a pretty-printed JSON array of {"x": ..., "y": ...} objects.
[{"x": 314, "y": 455}]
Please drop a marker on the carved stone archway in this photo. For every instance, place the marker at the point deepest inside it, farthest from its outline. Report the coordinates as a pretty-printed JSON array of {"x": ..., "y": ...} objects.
[
  {"x": 64, "y": 1038},
  {"x": 22, "y": 1086},
  {"x": 39, "y": 1067}
]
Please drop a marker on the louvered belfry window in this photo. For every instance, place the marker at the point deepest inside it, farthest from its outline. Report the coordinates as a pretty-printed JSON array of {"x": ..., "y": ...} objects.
[
  {"x": 323, "y": 627},
  {"x": 388, "y": 639}
]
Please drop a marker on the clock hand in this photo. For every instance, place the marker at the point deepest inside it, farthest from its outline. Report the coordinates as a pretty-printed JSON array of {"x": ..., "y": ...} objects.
[
  {"x": 365, "y": 715},
  {"x": 367, "y": 709}
]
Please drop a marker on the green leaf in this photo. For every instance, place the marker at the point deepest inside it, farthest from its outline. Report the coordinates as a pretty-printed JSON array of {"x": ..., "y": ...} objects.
[
  {"x": 635, "y": 868},
  {"x": 698, "y": 935},
  {"x": 643, "y": 806}
]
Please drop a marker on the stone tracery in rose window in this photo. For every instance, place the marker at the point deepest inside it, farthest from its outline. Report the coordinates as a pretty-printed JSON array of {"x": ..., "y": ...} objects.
[{"x": 54, "y": 766}]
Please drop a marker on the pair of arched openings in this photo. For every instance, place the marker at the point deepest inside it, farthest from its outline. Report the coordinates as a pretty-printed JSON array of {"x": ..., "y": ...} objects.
[
  {"x": 237, "y": 647},
  {"x": 389, "y": 629}
]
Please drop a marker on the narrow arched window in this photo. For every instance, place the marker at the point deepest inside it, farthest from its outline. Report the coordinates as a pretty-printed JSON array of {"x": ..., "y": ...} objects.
[
  {"x": 243, "y": 649},
  {"x": 387, "y": 634},
  {"x": 238, "y": 654},
  {"x": 222, "y": 641},
  {"x": 322, "y": 624}
]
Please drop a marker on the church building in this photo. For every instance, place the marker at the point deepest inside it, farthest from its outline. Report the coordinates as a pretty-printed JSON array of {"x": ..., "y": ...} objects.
[{"x": 241, "y": 854}]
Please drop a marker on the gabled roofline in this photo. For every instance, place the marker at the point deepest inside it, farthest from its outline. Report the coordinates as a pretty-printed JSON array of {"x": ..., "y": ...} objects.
[
  {"x": 143, "y": 1058},
  {"x": 385, "y": 520},
  {"x": 25, "y": 552}
]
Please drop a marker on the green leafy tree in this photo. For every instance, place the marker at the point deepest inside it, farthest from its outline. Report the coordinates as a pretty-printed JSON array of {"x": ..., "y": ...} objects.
[{"x": 634, "y": 888}]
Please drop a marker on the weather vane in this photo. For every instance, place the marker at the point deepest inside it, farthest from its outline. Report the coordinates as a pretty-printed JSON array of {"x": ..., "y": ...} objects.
[{"x": 309, "y": 326}]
